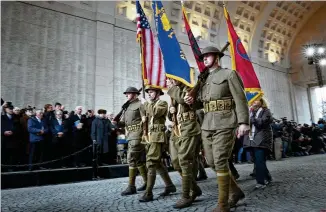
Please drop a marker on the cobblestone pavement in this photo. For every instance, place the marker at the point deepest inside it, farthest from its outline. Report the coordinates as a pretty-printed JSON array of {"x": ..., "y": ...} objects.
[{"x": 298, "y": 185}]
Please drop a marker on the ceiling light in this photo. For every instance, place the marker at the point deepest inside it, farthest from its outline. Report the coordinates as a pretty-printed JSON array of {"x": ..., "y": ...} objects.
[
  {"x": 322, "y": 62},
  {"x": 321, "y": 50},
  {"x": 310, "y": 51}
]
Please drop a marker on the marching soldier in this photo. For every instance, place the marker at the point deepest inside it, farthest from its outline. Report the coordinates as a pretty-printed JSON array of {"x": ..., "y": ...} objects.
[
  {"x": 201, "y": 168},
  {"x": 133, "y": 125},
  {"x": 225, "y": 106},
  {"x": 183, "y": 143},
  {"x": 156, "y": 111}
]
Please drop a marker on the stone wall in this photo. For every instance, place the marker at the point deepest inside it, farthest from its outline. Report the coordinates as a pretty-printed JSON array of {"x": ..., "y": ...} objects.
[
  {"x": 83, "y": 53},
  {"x": 46, "y": 56},
  {"x": 302, "y": 104}
]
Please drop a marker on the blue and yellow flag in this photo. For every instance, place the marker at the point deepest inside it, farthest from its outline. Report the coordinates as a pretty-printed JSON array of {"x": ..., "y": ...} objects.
[{"x": 175, "y": 62}]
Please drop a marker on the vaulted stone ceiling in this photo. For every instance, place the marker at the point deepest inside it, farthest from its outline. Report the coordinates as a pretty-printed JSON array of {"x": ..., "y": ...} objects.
[
  {"x": 277, "y": 26},
  {"x": 313, "y": 32},
  {"x": 267, "y": 29}
]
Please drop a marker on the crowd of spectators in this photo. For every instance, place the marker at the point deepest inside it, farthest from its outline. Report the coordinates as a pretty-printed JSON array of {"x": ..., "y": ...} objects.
[
  {"x": 31, "y": 135},
  {"x": 297, "y": 140}
]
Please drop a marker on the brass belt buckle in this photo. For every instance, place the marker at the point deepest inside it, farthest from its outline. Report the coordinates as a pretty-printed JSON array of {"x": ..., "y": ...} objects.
[
  {"x": 191, "y": 115},
  {"x": 185, "y": 116},
  {"x": 206, "y": 107},
  {"x": 212, "y": 106},
  {"x": 228, "y": 104},
  {"x": 220, "y": 105},
  {"x": 179, "y": 117}
]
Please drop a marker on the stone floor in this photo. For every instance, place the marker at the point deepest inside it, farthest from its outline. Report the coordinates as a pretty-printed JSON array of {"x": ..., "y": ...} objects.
[{"x": 299, "y": 184}]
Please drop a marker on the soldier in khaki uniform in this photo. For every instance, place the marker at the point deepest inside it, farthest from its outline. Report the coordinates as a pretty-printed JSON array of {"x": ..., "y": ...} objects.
[
  {"x": 183, "y": 143},
  {"x": 222, "y": 96},
  {"x": 201, "y": 168},
  {"x": 155, "y": 113},
  {"x": 132, "y": 121}
]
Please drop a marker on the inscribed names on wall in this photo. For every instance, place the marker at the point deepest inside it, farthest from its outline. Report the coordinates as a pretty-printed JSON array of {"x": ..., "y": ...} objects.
[
  {"x": 46, "y": 57},
  {"x": 126, "y": 65}
]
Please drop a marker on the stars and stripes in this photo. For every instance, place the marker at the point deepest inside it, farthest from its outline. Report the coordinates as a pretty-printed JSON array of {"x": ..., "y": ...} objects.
[{"x": 152, "y": 61}]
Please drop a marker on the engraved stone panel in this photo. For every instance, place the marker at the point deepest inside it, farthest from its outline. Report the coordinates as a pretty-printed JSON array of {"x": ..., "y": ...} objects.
[
  {"x": 276, "y": 90},
  {"x": 126, "y": 64},
  {"x": 45, "y": 57}
]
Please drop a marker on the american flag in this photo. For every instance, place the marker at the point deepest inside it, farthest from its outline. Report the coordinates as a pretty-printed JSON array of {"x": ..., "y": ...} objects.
[{"x": 152, "y": 59}]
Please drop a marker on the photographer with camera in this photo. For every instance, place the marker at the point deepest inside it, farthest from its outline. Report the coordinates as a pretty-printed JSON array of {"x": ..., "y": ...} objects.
[{"x": 287, "y": 134}]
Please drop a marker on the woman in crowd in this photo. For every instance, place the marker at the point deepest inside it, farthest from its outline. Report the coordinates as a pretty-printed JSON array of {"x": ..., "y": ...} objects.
[{"x": 260, "y": 140}]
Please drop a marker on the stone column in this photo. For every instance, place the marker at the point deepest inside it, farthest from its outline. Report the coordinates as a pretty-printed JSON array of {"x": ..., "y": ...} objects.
[{"x": 104, "y": 68}]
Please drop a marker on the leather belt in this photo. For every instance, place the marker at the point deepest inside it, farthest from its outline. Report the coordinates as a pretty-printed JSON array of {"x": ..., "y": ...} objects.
[
  {"x": 157, "y": 128},
  {"x": 191, "y": 115},
  {"x": 219, "y": 105},
  {"x": 134, "y": 128}
]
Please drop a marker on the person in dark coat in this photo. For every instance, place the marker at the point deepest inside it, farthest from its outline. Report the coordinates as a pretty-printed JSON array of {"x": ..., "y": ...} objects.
[
  {"x": 59, "y": 132},
  {"x": 260, "y": 140},
  {"x": 37, "y": 128},
  {"x": 79, "y": 134},
  {"x": 9, "y": 137},
  {"x": 113, "y": 151},
  {"x": 47, "y": 143},
  {"x": 19, "y": 135},
  {"x": 90, "y": 116},
  {"x": 100, "y": 134},
  {"x": 25, "y": 134}
]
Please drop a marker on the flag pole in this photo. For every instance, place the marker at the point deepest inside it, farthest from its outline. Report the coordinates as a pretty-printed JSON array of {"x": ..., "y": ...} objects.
[{"x": 141, "y": 69}]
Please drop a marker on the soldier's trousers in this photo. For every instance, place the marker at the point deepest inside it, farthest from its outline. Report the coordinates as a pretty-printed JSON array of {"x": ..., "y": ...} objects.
[
  {"x": 136, "y": 150},
  {"x": 154, "y": 156},
  {"x": 218, "y": 146},
  {"x": 184, "y": 151}
]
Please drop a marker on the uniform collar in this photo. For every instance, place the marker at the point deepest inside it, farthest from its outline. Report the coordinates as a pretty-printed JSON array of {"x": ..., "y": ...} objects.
[
  {"x": 154, "y": 101},
  {"x": 215, "y": 70},
  {"x": 134, "y": 101}
]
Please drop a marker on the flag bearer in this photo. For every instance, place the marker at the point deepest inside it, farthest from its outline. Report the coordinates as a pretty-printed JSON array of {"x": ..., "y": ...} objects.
[{"x": 224, "y": 102}]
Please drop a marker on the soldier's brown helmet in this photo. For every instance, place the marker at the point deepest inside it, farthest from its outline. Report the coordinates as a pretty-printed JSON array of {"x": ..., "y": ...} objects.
[
  {"x": 209, "y": 50},
  {"x": 131, "y": 90},
  {"x": 148, "y": 87}
]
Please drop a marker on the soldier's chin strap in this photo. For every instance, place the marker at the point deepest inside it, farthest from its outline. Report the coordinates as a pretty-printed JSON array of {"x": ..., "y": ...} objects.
[{"x": 156, "y": 95}]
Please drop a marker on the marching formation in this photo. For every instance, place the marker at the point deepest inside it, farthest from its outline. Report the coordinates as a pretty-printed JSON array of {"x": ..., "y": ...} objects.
[
  {"x": 210, "y": 113},
  {"x": 222, "y": 98}
]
